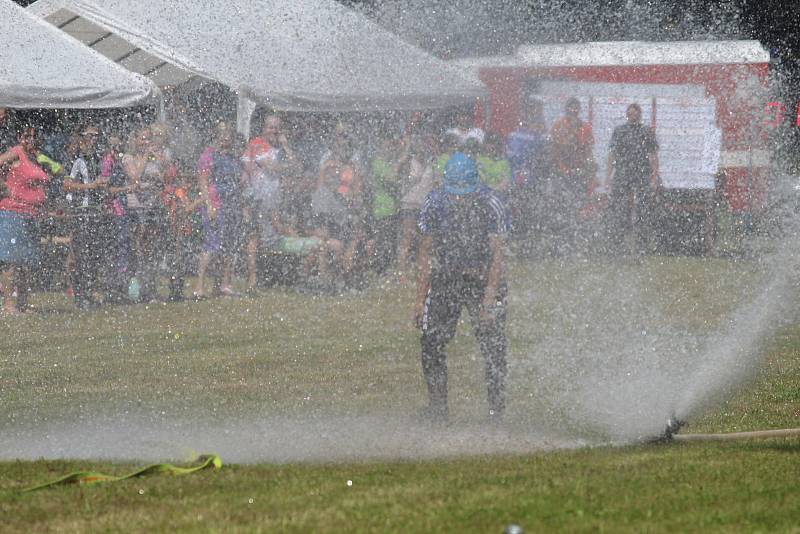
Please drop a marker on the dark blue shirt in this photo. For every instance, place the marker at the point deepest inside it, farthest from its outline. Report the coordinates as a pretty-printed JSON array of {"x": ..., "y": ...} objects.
[
  {"x": 225, "y": 174},
  {"x": 524, "y": 148},
  {"x": 461, "y": 227}
]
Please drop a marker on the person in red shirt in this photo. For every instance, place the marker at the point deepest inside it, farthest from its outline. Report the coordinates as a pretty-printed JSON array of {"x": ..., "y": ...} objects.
[
  {"x": 25, "y": 195},
  {"x": 571, "y": 146},
  {"x": 265, "y": 161},
  {"x": 572, "y": 142}
]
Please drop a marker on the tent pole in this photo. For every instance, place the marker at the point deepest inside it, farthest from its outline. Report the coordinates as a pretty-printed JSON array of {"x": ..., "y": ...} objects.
[
  {"x": 162, "y": 113},
  {"x": 244, "y": 113}
]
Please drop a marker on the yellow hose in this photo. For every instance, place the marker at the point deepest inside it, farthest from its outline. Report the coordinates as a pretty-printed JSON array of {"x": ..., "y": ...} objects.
[{"x": 93, "y": 477}]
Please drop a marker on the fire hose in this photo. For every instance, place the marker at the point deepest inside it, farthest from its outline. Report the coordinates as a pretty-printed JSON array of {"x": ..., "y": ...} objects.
[
  {"x": 674, "y": 425},
  {"x": 732, "y": 436}
]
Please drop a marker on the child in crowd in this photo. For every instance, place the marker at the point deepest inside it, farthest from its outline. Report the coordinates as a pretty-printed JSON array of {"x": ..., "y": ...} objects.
[
  {"x": 493, "y": 167},
  {"x": 419, "y": 181},
  {"x": 117, "y": 273},
  {"x": 387, "y": 165}
]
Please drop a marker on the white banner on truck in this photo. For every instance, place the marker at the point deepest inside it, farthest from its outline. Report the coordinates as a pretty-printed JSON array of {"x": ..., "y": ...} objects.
[{"x": 684, "y": 118}]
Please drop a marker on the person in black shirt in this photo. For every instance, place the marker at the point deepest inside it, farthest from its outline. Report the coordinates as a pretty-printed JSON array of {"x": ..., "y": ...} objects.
[
  {"x": 86, "y": 192},
  {"x": 461, "y": 263},
  {"x": 632, "y": 176}
]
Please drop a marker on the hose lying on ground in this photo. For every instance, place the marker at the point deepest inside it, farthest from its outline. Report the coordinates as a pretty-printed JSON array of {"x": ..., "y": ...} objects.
[
  {"x": 732, "y": 436},
  {"x": 92, "y": 477}
]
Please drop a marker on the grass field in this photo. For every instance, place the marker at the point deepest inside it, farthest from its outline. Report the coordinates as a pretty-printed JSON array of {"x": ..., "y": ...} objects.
[{"x": 300, "y": 394}]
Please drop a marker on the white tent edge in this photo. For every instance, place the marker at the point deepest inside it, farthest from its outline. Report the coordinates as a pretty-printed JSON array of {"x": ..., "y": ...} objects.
[
  {"x": 30, "y": 96},
  {"x": 248, "y": 98}
]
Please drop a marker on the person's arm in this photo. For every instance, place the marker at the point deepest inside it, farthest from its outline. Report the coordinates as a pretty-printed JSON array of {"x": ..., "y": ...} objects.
[
  {"x": 403, "y": 158},
  {"x": 77, "y": 176},
  {"x": 494, "y": 276},
  {"x": 133, "y": 170},
  {"x": 7, "y": 158},
  {"x": 202, "y": 186},
  {"x": 323, "y": 172},
  {"x": 277, "y": 165},
  {"x": 653, "y": 157},
  {"x": 423, "y": 277},
  {"x": 612, "y": 160},
  {"x": 357, "y": 188},
  {"x": 205, "y": 166},
  {"x": 191, "y": 205},
  {"x": 120, "y": 189},
  {"x": 268, "y": 164},
  {"x": 281, "y": 228},
  {"x": 654, "y": 166},
  {"x": 287, "y": 149},
  {"x": 52, "y": 166}
]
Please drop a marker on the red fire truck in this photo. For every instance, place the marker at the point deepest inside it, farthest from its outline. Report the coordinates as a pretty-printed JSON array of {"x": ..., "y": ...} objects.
[{"x": 705, "y": 99}]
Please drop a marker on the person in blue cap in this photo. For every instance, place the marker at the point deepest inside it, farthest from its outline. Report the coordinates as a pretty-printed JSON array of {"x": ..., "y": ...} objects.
[{"x": 461, "y": 263}]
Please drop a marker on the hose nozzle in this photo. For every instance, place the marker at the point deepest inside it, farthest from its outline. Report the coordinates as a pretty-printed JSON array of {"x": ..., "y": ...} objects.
[{"x": 673, "y": 426}]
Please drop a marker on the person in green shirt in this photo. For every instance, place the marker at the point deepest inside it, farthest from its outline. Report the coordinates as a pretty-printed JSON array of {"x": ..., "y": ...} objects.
[
  {"x": 385, "y": 187},
  {"x": 493, "y": 167},
  {"x": 385, "y": 182}
]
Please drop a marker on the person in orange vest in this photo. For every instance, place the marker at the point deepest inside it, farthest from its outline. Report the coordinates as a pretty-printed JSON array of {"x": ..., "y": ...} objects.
[{"x": 573, "y": 166}]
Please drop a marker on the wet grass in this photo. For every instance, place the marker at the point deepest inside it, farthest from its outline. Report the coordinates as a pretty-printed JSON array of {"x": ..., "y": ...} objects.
[
  {"x": 358, "y": 354},
  {"x": 698, "y": 487}
]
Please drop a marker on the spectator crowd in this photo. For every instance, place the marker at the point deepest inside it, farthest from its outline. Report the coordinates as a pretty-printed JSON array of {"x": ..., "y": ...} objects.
[{"x": 163, "y": 211}]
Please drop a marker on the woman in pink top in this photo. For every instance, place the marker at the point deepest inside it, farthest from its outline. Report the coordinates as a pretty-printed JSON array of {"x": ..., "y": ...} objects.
[{"x": 25, "y": 195}]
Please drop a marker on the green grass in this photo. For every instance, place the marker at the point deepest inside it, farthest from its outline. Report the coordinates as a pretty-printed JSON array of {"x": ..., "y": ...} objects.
[
  {"x": 722, "y": 487},
  {"x": 288, "y": 354}
]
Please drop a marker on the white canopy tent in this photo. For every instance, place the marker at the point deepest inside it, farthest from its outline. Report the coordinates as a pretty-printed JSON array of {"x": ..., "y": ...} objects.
[
  {"x": 40, "y": 67},
  {"x": 303, "y": 55}
]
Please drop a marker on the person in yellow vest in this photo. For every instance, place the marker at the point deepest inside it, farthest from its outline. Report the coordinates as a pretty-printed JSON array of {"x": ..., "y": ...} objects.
[{"x": 493, "y": 167}]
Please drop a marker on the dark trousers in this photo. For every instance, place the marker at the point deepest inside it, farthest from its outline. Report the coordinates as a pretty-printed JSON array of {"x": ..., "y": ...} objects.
[
  {"x": 90, "y": 240},
  {"x": 628, "y": 212},
  {"x": 180, "y": 255},
  {"x": 151, "y": 240},
  {"x": 119, "y": 271},
  {"x": 447, "y": 295}
]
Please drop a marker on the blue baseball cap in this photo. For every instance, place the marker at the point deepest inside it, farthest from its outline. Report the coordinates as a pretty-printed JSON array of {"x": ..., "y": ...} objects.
[{"x": 460, "y": 175}]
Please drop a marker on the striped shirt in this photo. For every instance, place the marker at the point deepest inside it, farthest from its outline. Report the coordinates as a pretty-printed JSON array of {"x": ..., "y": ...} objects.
[{"x": 461, "y": 227}]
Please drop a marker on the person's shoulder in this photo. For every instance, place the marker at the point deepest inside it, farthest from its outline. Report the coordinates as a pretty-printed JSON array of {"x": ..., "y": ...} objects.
[
  {"x": 206, "y": 159},
  {"x": 432, "y": 212},
  {"x": 257, "y": 141},
  {"x": 524, "y": 134},
  {"x": 256, "y": 145},
  {"x": 495, "y": 202},
  {"x": 15, "y": 152},
  {"x": 487, "y": 193},
  {"x": 622, "y": 131},
  {"x": 436, "y": 196}
]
